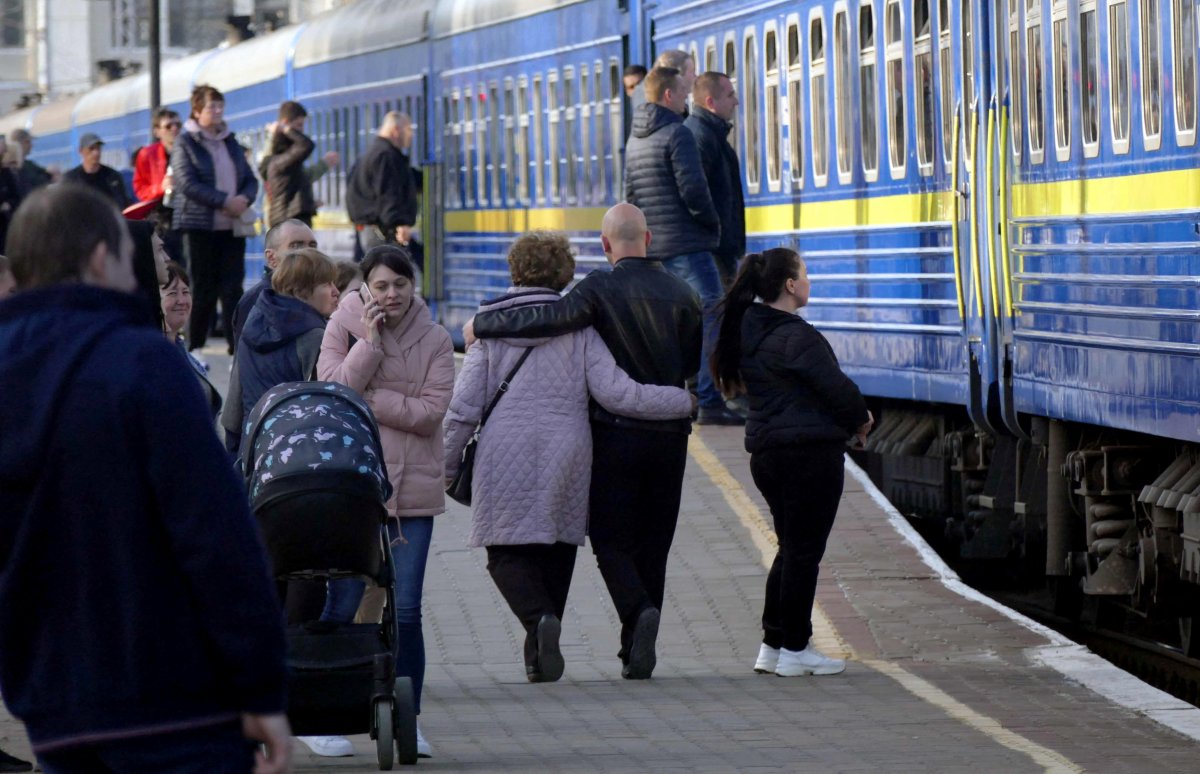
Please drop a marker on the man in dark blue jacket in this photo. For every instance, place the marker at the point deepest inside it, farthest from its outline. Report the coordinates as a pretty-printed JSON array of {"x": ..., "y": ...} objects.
[
  {"x": 665, "y": 180},
  {"x": 714, "y": 105},
  {"x": 139, "y": 630},
  {"x": 280, "y": 239}
]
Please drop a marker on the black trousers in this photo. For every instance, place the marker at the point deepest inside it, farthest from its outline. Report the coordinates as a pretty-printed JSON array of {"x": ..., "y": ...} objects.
[
  {"x": 217, "y": 263},
  {"x": 637, "y": 476},
  {"x": 803, "y": 486},
  {"x": 534, "y": 580}
]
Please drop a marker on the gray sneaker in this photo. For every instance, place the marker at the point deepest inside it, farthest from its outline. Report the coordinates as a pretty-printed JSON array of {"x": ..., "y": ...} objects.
[{"x": 810, "y": 661}]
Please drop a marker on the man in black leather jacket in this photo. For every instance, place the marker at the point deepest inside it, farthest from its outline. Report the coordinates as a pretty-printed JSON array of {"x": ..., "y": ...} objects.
[{"x": 651, "y": 321}]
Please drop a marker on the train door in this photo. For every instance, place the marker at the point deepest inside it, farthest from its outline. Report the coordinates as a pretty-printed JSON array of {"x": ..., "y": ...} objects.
[{"x": 425, "y": 114}]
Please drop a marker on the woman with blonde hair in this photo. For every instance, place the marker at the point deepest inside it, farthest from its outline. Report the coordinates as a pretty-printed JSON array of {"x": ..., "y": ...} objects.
[{"x": 534, "y": 460}]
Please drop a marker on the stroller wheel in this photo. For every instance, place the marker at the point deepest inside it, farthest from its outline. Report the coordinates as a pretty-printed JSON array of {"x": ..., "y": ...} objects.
[
  {"x": 383, "y": 733},
  {"x": 405, "y": 718}
]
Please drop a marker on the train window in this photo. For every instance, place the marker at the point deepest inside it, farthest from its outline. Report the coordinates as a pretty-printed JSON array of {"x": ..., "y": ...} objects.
[
  {"x": 470, "y": 191},
  {"x": 585, "y": 130},
  {"x": 1150, "y": 35},
  {"x": 731, "y": 69},
  {"x": 771, "y": 112},
  {"x": 710, "y": 54},
  {"x": 616, "y": 126},
  {"x": 967, "y": 19},
  {"x": 554, "y": 114},
  {"x": 521, "y": 156},
  {"x": 449, "y": 146},
  {"x": 751, "y": 106},
  {"x": 1033, "y": 70},
  {"x": 481, "y": 131},
  {"x": 569, "y": 155},
  {"x": 1183, "y": 32},
  {"x": 539, "y": 148},
  {"x": 510, "y": 134},
  {"x": 496, "y": 164},
  {"x": 795, "y": 77},
  {"x": 946, "y": 81},
  {"x": 1061, "y": 68},
  {"x": 1089, "y": 83},
  {"x": 819, "y": 102},
  {"x": 1118, "y": 73},
  {"x": 868, "y": 112},
  {"x": 842, "y": 95},
  {"x": 894, "y": 52},
  {"x": 598, "y": 131},
  {"x": 923, "y": 86},
  {"x": 1016, "y": 86}
]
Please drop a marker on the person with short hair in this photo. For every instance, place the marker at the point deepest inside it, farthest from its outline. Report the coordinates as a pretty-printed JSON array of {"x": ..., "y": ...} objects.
[
  {"x": 31, "y": 175},
  {"x": 349, "y": 278},
  {"x": 175, "y": 300},
  {"x": 282, "y": 337},
  {"x": 539, "y": 435},
  {"x": 161, "y": 647},
  {"x": 634, "y": 74},
  {"x": 289, "y": 182},
  {"x": 675, "y": 58},
  {"x": 381, "y": 192},
  {"x": 214, "y": 188},
  {"x": 153, "y": 161},
  {"x": 803, "y": 410},
  {"x": 280, "y": 239},
  {"x": 714, "y": 105},
  {"x": 100, "y": 177}
]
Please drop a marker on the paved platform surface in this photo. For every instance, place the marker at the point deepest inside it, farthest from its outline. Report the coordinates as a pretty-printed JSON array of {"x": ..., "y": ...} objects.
[{"x": 937, "y": 682}]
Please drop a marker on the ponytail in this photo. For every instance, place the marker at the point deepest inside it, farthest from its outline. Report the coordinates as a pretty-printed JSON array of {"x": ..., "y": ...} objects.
[{"x": 761, "y": 275}]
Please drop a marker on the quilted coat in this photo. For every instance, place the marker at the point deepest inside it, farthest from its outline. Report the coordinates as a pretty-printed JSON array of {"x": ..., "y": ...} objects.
[
  {"x": 197, "y": 198},
  {"x": 407, "y": 382},
  {"x": 533, "y": 464}
]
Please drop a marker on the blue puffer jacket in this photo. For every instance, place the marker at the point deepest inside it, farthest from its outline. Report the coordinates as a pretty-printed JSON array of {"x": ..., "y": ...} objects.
[
  {"x": 664, "y": 178},
  {"x": 195, "y": 179},
  {"x": 280, "y": 343}
]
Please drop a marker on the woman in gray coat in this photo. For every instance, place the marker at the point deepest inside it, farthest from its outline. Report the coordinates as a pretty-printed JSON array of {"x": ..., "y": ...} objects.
[{"x": 533, "y": 464}]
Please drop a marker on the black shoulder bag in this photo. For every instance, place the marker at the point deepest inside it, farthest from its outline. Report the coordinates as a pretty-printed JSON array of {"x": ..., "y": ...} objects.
[{"x": 459, "y": 489}]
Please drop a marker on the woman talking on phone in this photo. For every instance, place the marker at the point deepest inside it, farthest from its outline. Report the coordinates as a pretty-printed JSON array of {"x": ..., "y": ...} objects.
[
  {"x": 384, "y": 343},
  {"x": 803, "y": 410}
]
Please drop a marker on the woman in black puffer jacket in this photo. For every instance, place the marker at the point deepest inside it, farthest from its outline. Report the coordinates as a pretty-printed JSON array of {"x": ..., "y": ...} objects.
[{"x": 803, "y": 410}]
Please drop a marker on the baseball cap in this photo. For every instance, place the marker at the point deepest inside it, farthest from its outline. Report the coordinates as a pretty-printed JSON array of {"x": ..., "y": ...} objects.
[{"x": 89, "y": 139}]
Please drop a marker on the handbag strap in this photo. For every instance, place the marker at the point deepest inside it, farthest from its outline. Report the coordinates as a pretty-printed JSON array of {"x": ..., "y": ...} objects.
[{"x": 503, "y": 388}]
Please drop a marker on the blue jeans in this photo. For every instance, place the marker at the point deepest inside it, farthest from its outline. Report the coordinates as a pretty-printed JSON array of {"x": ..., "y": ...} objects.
[
  {"x": 700, "y": 271},
  {"x": 219, "y": 749},
  {"x": 409, "y": 559}
]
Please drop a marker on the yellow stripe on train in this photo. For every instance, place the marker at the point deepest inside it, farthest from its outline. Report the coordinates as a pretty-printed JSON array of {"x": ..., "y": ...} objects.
[{"x": 1150, "y": 192}]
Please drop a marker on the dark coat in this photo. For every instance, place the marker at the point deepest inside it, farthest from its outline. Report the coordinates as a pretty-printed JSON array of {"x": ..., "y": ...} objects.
[
  {"x": 106, "y": 181},
  {"x": 241, "y": 312},
  {"x": 135, "y": 597},
  {"x": 32, "y": 175},
  {"x": 648, "y": 318},
  {"x": 724, "y": 176},
  {"x": 381, "y": 190},
  {"x": 797, "y": 392},
  {"x": 289, "y": 183},
  {"x": 664, "y": 179},
  {"x": 280, "y": 343},
  {"x": 194, "y": 179}
]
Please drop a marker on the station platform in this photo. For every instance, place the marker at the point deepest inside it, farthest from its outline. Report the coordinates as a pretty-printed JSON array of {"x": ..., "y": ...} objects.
[{"x": 939, "y": 678}]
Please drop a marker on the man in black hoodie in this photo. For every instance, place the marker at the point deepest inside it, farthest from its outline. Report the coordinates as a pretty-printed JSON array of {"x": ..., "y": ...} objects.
[{"x": 139, "y": 629}]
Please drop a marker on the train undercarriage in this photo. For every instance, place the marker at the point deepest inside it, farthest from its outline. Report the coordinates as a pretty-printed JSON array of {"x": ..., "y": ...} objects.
[{"x": 1108, "y": 521}]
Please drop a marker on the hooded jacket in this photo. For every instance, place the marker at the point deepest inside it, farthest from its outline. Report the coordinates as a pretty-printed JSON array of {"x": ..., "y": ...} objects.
[
  {"x": 724, "y": 176},
  {"x": 797, "y": 392},
  {"x": 665, "y": 180},
  {"x": 534, "y": 462},
  {"x": 197, "y": 197},
  {"x": 135, "y": 597},
  {"x": 279, "y": 343}
]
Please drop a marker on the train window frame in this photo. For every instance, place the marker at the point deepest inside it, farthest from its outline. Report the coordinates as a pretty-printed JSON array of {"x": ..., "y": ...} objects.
[
  {"x": 1185, "y": 133},
  {"x": 795, "y": 100},
  {"x": 470, "y": 191},
  {"x": 751, "y": 129},
  {"x": 843, "y": 93},
  {"x": 924, "y": 120},
  {"x": 1035, "y": 76},
  {"x": 1016, "y": 80},
  {"x": 945, "y": 52},
  {"x": 710, "y": 53},
  {"x": 585, "y": 131},
  {"x": 1152, "y": 100},
  {"x": 537, "y": 113},
  {"x": 818, "y": 96},
  {"x": 897, "y": 132},
  {"x": 598, "y": 128},
  {"x": 495, "y": 143},
  {"x": 771, "y": 118},
  {"x": 554, "y": 155},
  {"x": 570, "y": 126},
  {"x": 481, "y": 140},
  {"x": 521, "y": 101},
  {"x": 1061, "y": 74},
  {"x": 616, "y": 127},
  {"x": 509, "y": 113},
  {"x": 1089, "y": 88},
  {"x": 968, "y": 27},
  {"x": 868, "y": 57},
  {"x": 450, "y": 141},
  {"x": 730, "y": 52},
  {"x": 1120, "y": 94}
]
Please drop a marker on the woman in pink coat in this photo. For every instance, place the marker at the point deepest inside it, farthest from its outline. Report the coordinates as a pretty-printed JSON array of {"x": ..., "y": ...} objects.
[
  {"x": 388, "y": 348},
  {"x": 529, "y": 492}
]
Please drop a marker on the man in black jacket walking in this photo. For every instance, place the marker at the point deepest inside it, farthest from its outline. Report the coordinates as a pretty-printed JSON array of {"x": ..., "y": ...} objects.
[
  {"x": 714, "y": 105},
  {"x": 651, "y": 322},
  {"x": 664, "y": 178},
  {"x": 381, "y": 196}
]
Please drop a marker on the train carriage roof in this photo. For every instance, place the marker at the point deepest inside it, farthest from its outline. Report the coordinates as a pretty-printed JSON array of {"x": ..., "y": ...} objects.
[
  {"x": 362, "y": 27},
  {"x": 53, "y": 118},
  {"x": 16, "y": 120},
  {"x": 253, "y": 61},
  {"x": 131, "y": 94},
  {"x": 461, "y": 15}
]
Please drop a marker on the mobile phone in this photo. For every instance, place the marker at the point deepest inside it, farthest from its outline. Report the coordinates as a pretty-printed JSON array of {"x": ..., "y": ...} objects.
[{"x": 365, "y": 293}]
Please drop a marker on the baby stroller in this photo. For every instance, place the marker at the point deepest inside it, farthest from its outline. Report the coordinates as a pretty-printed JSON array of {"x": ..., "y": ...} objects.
[{"x": 318, "y": 485}]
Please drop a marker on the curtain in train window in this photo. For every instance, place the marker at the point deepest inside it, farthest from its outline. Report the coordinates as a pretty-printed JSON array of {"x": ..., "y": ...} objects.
[
  {"x": 1151, "y": 44},
  {"x": 598, "y": 130},
  {"x": 1016, "y": 84},
  {"x": 495, "y": 163},
  {"x": 923, "y": 85},
  {"x": 1033, "y": 51},
  {"x": 771, "y": 113},
  {"x": 481, "y": 131},
  {"x": 868, "y": 114},
  {"x": 553, "y": 191},
  {"x": 796, "y": 121},
  {"x": 731, "y": 69},
  {"x": 1061, "y": 59},
  {"x": 816, "y": 95},
  {"x": 967, "y": 12},
  {"x": 843, "y": 95},
  {"x": 1184, "y": 32},
  {"x": 710, "y": 55},
  {"x": 616, "y": 126},
  {"x": 1118, "y": 73},
  {"x": 751, "y": 106},
  {"x": 470, "y": 191},
  {"x": 510, "y": 150},
  {"x": 585, "y": 130},
  {"x": 570, "y": 154},
  {"x": 1089, "y": 85},
  {"x": 522, "y": 149},
  {"x": 897, "y": 126},
  {"x": 946, "y": 76},
  {"x": 449, "y": 145},
  {"x": 539, "y": 148}
]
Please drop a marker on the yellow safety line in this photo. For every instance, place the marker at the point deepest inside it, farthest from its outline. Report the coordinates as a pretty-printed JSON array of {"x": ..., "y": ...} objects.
[{"x": 827, "y": 639}]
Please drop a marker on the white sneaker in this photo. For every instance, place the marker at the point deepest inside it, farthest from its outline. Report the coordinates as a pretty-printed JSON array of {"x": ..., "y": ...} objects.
[
  {"x": 810, "y": 661},
  {"x": 423, "y": 748},
  {"x": 328, "y": 746},
  {"x": 767, "y": 658}
]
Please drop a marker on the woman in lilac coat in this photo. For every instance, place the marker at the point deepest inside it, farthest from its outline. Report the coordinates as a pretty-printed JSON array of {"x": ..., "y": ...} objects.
[{"x": 533, "y": 464}]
